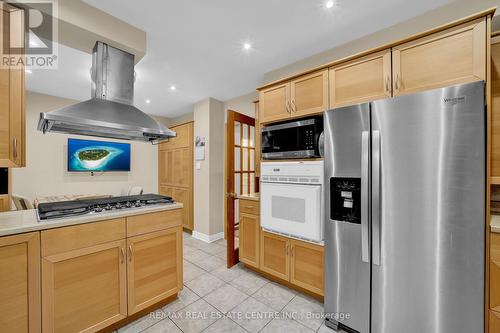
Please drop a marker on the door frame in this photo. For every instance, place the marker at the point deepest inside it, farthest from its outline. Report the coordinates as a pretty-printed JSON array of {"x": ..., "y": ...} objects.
[{"x": 232, "y": 116}]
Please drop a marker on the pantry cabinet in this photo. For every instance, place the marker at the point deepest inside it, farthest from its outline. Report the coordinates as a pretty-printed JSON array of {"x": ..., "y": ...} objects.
[
  {"x": 20, "y": 283},
  {"x": 452, "y": 56},
  {"x": 90, "y": 281},
  {"x": 175, "y": 170},
  {"x": 361, "y": 80},
  {"x": 12, "y": 113}
]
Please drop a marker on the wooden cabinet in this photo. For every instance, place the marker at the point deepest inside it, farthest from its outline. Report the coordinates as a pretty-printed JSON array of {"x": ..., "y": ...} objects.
[
  {"x": 20, "y": 283},
  {"x": 249, "y": 239},
  {"x": 12, "y": 113},
  {"x": 258, "y": 139},
  {"x": 274, "y": 103},
  {"x": 300, "y": 263},
  {"x": 361, "y": 80},
  {"x": 495, "y": 272},
  {"x": 155, "y": 267},
  {"x": 274, "y": 255},
  {"x": 495, "y": 110},
  {"x": 306, "y": 266},
  {"x": 494, "y": 322},
  {"x": 305, "y": 95},
  {"x": 453, "y": 56},
  {"x": 175, "y": 168},
  {"x": 309, "y": 94},
  {"x": 84, "y": 290},
  {"x": 4, "y": 203}
]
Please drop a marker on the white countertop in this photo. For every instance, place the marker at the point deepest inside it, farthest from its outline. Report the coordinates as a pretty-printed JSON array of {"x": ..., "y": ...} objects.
[
  {"x": 19, "y": 221},
  {"x": 495, "y": 223}
]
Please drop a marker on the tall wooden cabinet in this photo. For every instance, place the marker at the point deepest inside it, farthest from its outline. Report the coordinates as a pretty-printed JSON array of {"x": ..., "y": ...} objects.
[
  {"x": 176, "y": 164},
  {"x": 12, "y": 113},
  {"x": 20, "y": 307}
]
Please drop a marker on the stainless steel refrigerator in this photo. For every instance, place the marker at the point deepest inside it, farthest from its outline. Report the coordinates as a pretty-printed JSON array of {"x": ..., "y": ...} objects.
[{"x": 405, "y": 213}]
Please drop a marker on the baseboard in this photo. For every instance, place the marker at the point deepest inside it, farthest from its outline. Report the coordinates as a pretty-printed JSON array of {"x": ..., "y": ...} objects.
[{"x": 207, "y": 238}]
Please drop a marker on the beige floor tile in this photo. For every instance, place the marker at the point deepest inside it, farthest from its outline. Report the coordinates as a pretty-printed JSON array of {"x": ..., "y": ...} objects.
[
  {"x": 196, "y": 317},
  {"x": 210, "y": 263},
  {"x": 214, "y": 249},
  {"x": 227, "y": 274},
  {"x": 204, "y": 284},
  {"x": 303, "y": 307},
  {"x": 191, "y": 271},
  {"x": 224, "y": 325},
  {"x": 185, "y": 297},
  {"x": 164, "y": 326},
  {"x": 275, "y": 295},
  {"x": 225, "y": 298},
  {"x": 279, "y": 325},
  {"x": 197, "y": 255},
  {"x": 249, "y": 282},
  {"x": 252, "y": 315}
]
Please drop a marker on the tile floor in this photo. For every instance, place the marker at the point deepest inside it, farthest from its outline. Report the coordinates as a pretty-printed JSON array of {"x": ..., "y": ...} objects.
[{"x": 216, "y": 299}]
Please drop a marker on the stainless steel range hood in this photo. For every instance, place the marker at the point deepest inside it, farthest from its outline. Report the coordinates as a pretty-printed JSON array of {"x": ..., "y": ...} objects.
[{"x": 110, "y": 113}]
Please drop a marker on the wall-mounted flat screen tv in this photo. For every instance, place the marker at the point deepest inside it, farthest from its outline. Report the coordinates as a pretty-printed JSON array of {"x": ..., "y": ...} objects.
[{"x": 89, "y": 155}]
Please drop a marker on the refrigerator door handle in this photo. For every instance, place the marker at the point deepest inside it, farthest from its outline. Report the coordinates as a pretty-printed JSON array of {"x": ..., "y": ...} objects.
[
  {"x": 376, "y": 220},
  {"x": 365, "y": 142}
]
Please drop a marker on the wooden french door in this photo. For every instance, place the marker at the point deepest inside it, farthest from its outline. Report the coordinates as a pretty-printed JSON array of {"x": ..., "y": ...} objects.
[{"x": 240, "y": 174}]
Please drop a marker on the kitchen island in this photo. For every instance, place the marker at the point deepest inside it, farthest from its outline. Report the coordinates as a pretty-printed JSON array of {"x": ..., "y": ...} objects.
[{"x": 107, "y": 267}]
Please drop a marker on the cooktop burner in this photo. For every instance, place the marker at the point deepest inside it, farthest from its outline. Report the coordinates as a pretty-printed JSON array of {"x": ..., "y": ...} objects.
[{"x": 52, "y": 210}]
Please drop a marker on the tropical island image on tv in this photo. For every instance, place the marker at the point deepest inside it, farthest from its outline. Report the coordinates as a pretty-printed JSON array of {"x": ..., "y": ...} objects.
[{"x": 88, "y": 155}]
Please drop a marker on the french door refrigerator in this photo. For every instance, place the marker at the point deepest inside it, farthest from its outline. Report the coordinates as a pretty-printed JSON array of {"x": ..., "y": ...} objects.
[{"x": 405, "y": 213}]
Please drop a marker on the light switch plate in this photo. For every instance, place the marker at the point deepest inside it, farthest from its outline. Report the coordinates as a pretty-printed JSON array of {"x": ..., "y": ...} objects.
[{"x": 198, "y": 165}]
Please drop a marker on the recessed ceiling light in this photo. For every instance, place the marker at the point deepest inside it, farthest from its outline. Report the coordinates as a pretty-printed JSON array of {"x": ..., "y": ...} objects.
[
  {"x": 329, "y": 4},
  {"x": 247, "y": 46},
  {"x": 148, "y": 101},
  {"x": 173, "y": 88},
  {"x": 29, "y": 71}
]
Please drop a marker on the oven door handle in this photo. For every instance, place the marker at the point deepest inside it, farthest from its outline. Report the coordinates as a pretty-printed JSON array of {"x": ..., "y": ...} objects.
[{"x": 365, "y": 166}]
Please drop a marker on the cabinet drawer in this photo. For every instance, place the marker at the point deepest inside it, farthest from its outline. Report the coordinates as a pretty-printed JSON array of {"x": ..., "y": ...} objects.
[
  {"x": 142, "y": 224},
  {"x": 249, "y": 207},
  {"x": 79, "y": 236}
]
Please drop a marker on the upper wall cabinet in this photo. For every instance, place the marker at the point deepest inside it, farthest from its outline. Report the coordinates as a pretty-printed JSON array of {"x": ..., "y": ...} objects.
[
  {"x": 305, "y": 95},
  {"x": 12, "y": 117},
  {"x": 309, "y": 94},
  {"x": 453, "y": 56},
  {"x": 274, "y": 103},
  {"x": 361, "y": 80}
]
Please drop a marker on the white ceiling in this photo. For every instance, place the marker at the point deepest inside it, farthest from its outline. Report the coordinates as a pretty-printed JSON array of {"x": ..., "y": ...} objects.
[{"x": 197, "y": 44}]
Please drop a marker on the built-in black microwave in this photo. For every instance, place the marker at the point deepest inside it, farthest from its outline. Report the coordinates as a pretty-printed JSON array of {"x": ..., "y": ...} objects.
[{"x": 293, "y": 139}]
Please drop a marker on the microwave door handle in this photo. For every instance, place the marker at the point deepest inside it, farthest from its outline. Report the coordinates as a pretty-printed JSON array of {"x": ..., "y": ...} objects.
[
  {"x": 292, "y": 124},
  {"x": 376, "y": 218},
  {"x": 365, "y": 143}
]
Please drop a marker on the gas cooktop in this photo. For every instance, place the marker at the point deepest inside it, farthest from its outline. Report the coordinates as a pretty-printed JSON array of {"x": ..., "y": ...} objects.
[{"x": 53, "y": 210}]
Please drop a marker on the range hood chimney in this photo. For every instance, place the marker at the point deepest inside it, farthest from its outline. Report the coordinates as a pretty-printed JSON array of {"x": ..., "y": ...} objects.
[{"x": 110, "y": 112}]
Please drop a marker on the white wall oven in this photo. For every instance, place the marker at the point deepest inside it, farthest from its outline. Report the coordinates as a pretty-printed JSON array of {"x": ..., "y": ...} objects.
[{"x": 292, "y": 199}]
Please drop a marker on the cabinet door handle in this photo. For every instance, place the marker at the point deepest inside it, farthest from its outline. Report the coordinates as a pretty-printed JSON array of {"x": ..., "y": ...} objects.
[
  {"x": 288, "y": 107},
  {"x": 122, "y": 250},
  {"x": 14, "y": 144},
  {"x": 388, "y": 85},
  {"x": 293, "y": 250},
  {"x": 397, "y": 83},
  {"x": 130, "y": 253},
  {"x": 294, "y": 107},
  {"x": 287, "y": 250}
]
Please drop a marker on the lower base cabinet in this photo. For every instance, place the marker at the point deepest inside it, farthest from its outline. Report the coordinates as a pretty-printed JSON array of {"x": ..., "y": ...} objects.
[
  {"x": 249, "y": 239},
  {"x": 20, "y": 283},
  {"x": 84, "y": 290},
  {"x": 300, "y": 263},
  {"x": 155, "y": 267}
]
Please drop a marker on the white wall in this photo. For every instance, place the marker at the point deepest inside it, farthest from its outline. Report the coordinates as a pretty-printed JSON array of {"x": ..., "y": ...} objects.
[
  {"x": 46, "y": 161},
  {"x": 242, "y": 104}
]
